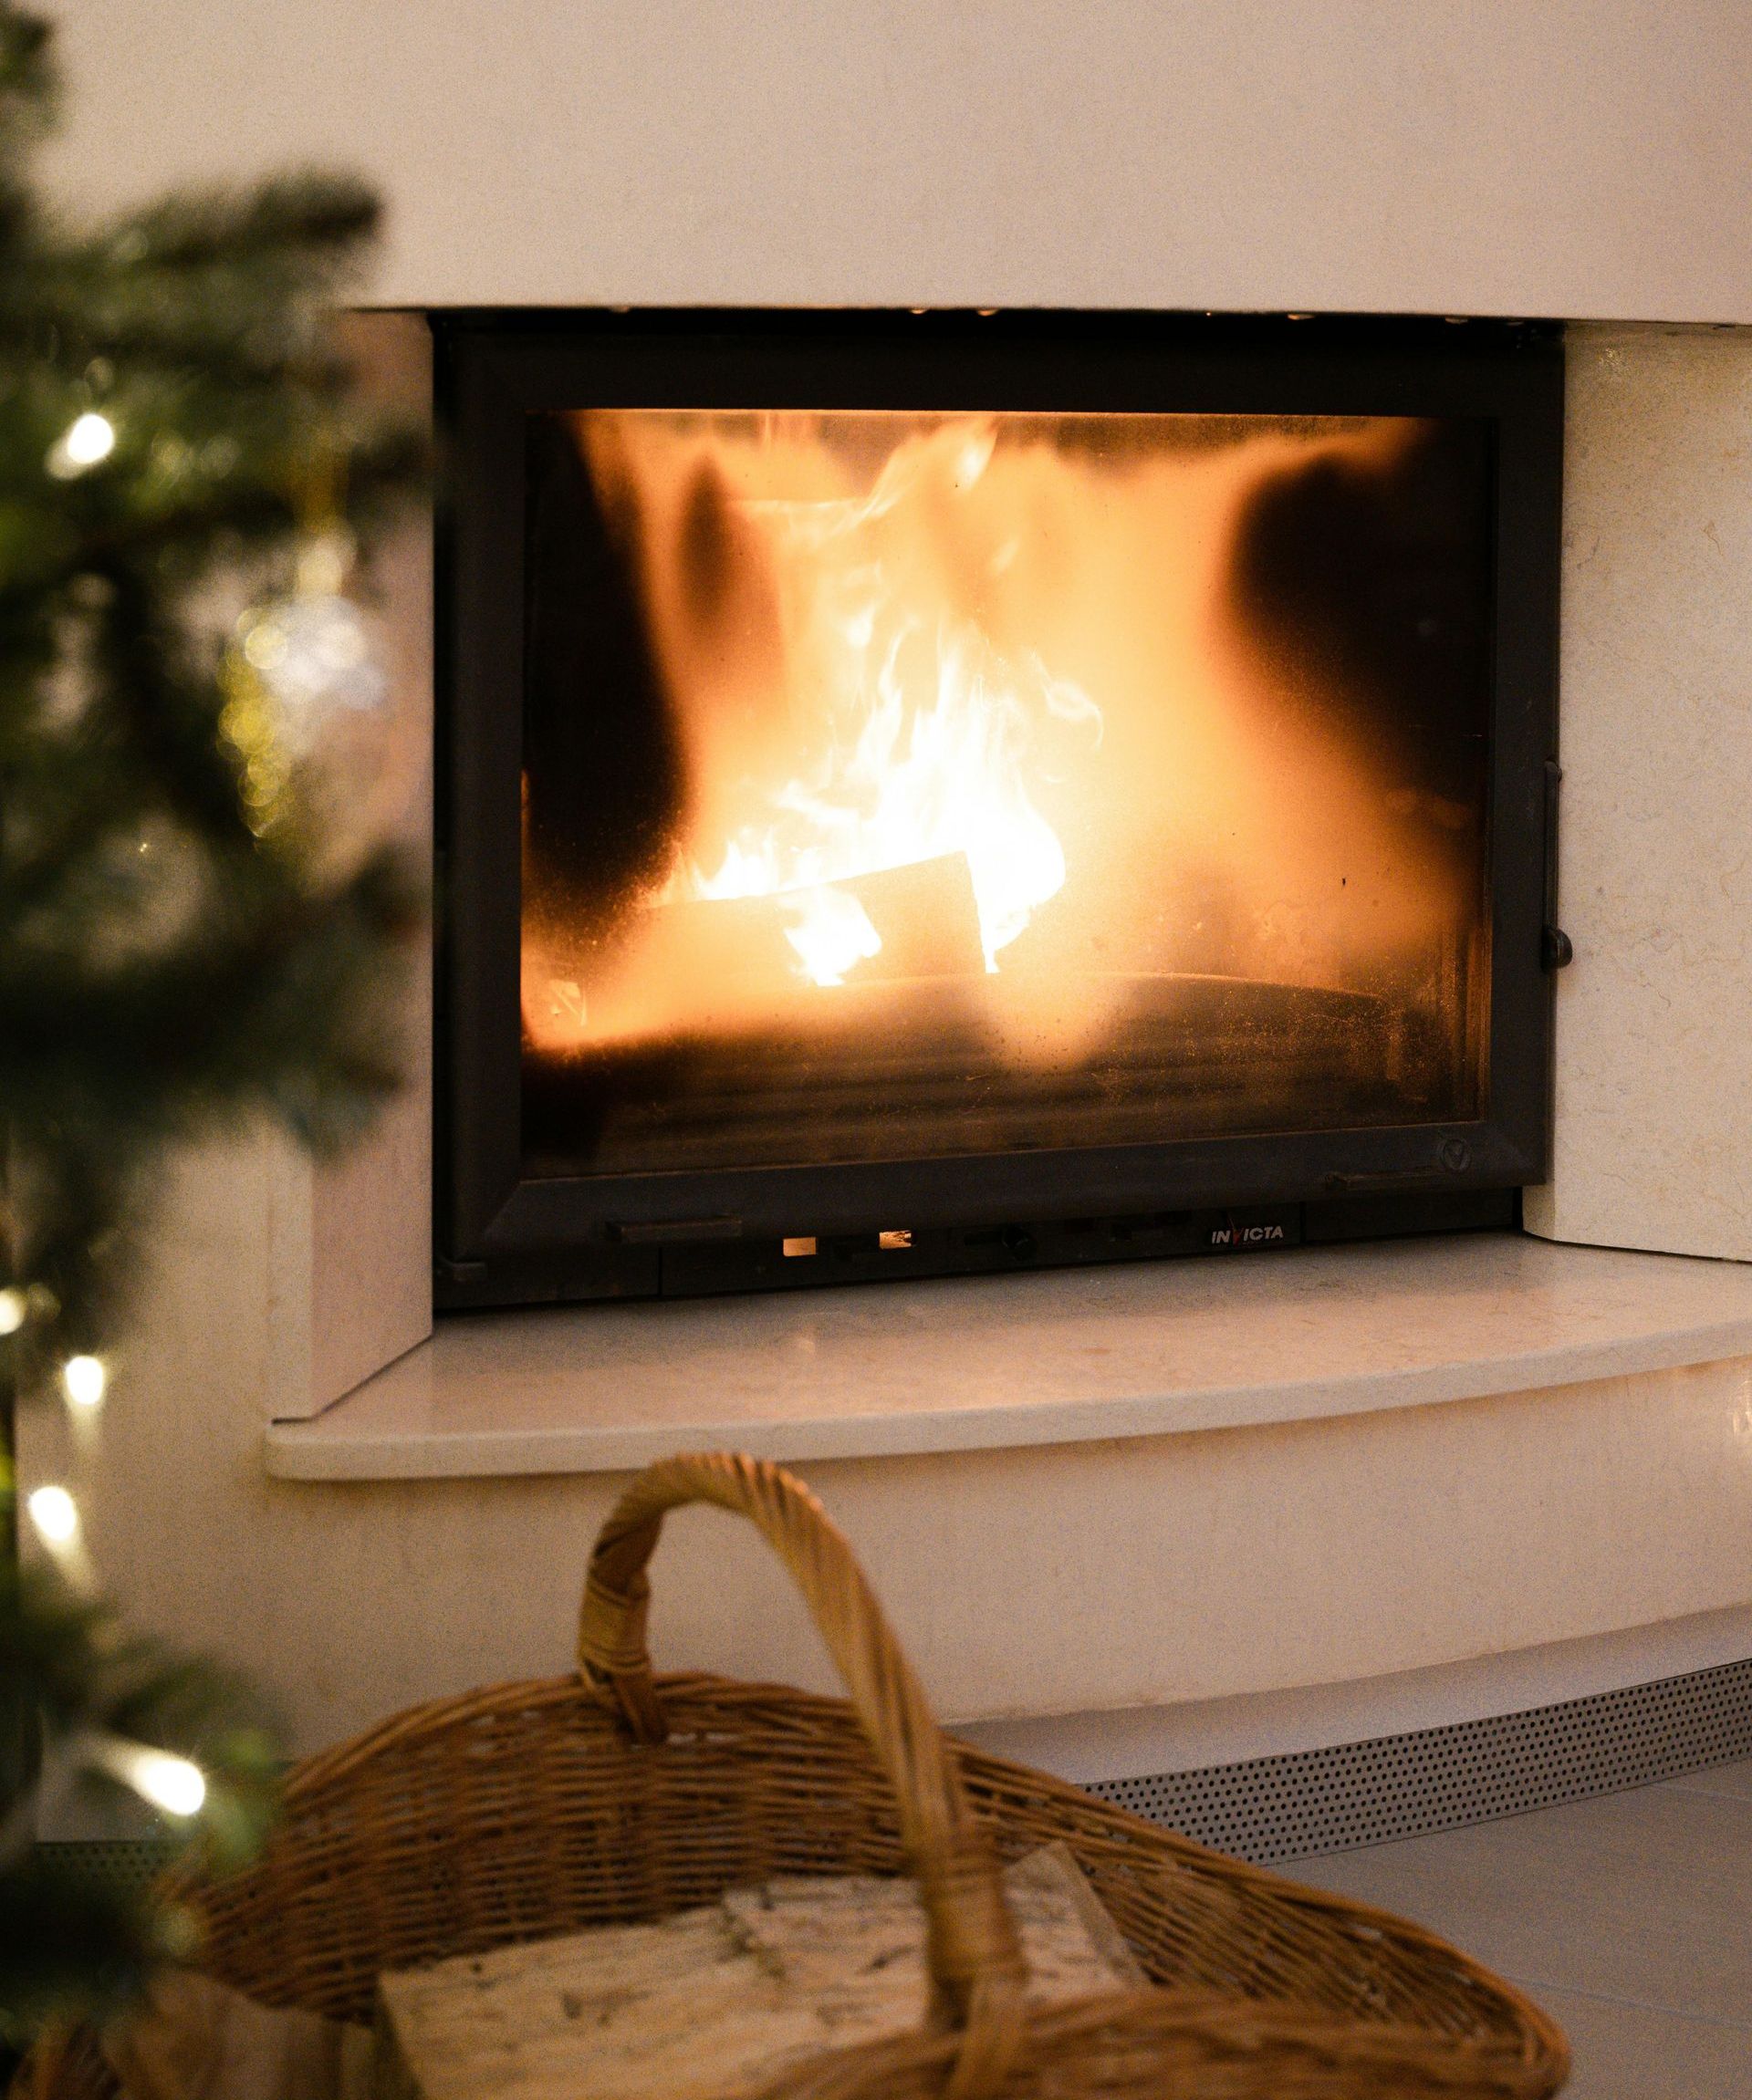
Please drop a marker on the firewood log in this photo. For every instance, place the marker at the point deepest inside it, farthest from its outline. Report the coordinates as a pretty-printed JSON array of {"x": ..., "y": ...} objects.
[{"x": 712, "y": 2003}]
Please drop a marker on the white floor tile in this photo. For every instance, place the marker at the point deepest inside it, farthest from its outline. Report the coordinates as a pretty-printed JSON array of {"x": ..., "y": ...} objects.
[
  {"x": 1639, "y": 2053},
  {"x": 1732, "y": 1779},
  {"x": 1643, "y": 1896}
]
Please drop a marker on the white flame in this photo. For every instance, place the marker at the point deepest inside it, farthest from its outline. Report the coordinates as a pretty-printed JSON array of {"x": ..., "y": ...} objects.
[
  {"x": 831, "y": 932},
  {"x": 913, "y": 778}
]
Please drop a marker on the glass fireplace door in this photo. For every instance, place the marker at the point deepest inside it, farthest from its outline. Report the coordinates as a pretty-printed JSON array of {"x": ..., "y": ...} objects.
[{"x": 904, "y": 785}]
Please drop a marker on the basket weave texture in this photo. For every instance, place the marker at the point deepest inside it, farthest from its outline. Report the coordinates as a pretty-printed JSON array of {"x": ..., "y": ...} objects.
[{"x": 617, "y": 1797}]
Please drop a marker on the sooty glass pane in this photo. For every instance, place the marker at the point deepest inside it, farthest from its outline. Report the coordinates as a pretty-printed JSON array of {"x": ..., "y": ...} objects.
[{"x": 899, "y": 786}]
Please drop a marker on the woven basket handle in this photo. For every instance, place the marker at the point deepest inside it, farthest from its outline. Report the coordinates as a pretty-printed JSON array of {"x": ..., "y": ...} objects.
[{"x": 976, "y": 1960}]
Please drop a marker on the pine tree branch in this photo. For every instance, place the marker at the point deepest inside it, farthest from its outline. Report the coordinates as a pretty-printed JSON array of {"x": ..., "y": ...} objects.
[{"x": 140, "y": 1007}]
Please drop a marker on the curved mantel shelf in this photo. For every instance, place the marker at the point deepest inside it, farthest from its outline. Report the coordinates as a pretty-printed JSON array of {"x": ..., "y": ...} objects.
[{"x": 1071, "y": 1356}]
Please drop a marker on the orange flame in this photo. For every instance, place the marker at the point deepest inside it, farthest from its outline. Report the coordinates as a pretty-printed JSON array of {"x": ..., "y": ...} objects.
[
  {"x": 899, "y": 642},
  {"x": 920, "y": 773}
]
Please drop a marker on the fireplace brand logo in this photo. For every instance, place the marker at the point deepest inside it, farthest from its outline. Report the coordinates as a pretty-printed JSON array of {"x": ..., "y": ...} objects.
[{"x": 1244, "y": 1235}]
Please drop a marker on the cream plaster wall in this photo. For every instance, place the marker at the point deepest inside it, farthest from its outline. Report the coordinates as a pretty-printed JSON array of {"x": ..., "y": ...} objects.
[
  {"x": 1068, "y": 1578},
  {"x": 1582, "y": 159},
  {"x": 1562, "y": 157},
  {"x": 1653, "y": 1129}
]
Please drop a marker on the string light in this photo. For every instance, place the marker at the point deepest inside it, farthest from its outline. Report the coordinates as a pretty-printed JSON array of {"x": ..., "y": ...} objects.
[
  {"x": 56, "y": 1518},
  {"x": 84, "y": 1380},
  {"x": 174, "y": 1783},
  {"x": 87, "y": 442},
  {"x": 11, "y": 1311},
  {"x": 55, "y": 1514}
]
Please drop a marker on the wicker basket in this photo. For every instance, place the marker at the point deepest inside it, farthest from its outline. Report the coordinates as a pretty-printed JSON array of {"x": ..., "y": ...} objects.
[{"x": 614, "y": 1796}]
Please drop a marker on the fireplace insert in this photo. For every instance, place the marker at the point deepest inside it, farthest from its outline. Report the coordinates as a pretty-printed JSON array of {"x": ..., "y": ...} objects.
[{"x": 924, "y": 793}]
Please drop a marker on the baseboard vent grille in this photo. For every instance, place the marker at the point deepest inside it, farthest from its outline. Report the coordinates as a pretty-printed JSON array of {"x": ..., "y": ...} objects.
[{"x": 1290, "y": 1808}]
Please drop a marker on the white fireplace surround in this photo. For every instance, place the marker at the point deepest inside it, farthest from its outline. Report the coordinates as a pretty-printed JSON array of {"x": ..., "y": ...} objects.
[
  {"x": 1454, "y": 157},
  {"x": 982, "y": 1363},
  {"x": 1225, "y": 1499},
  {"x": 1658, "y": 772}
]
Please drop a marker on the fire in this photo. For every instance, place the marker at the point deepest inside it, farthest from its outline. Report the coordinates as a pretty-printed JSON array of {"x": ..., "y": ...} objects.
[
  {"x": 925, "y": 737},
  {"x": 937, "y": 683},
  {"x": 830, "y": 929},
  {"x": 934, "y": 745}
]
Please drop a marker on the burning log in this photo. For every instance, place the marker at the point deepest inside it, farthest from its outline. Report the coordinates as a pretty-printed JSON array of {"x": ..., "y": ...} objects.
[
  {"x": 926, "y": 918},
  {"x": 720, "y": 958}
]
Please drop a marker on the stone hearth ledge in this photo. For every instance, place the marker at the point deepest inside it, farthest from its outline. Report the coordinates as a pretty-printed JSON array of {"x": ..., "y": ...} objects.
[{"x": 988, "y": 1363}]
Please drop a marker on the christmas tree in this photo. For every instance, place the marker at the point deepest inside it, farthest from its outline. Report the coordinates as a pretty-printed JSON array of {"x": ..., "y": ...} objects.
[{"x": 187, "y": 939}]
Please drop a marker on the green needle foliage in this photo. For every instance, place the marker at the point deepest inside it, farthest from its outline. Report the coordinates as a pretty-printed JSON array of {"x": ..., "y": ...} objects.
[
  {"x": 73, "y": 1941},
  {"x": 180, "y": 948}
]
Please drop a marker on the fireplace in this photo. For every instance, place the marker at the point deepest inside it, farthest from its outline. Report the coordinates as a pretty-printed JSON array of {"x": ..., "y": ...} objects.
[{"x": 924, "y": 793}]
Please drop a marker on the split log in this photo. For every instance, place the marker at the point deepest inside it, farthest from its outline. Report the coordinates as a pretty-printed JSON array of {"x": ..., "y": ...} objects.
[
  {"x": 712, "y": 963},
  {"x": 712, "y": 2003}
]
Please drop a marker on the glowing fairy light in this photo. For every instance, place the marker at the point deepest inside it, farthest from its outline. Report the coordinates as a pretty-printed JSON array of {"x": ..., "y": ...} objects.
[
  {"x": 55, "y": 1514},
  {"x": 54, "y": 1517},
  {"x": 92, "y": 437},
  {"x": 84, "y": 1380},
  {"x": 11, "y": 1311},
  {"x": 86, "y": 442},
  {"x": 174, "y": 1783}
]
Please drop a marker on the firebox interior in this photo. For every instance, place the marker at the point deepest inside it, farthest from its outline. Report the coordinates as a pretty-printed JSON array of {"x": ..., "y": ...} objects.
[{"x": 903, "y": 784}]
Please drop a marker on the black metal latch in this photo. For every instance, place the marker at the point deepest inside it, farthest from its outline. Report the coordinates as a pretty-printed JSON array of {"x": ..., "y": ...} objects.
[{"x": 1557, "y": 950}]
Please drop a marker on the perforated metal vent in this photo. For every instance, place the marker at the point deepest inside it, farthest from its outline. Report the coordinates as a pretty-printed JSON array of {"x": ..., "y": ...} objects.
[
  {"x": 1273, "y": 1808},
  {"x": 118, "y": 1862},
  {"x": 1287, "y": 1807}
]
